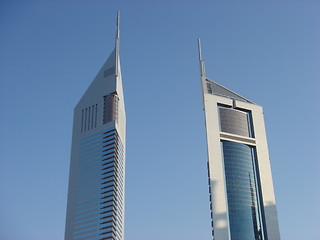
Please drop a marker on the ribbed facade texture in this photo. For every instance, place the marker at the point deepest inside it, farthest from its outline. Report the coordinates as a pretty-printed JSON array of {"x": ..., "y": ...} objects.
[
  {"x": 242, "y": 201},
  {"x": 95, "y": 209},
  {"x": 98, "y": 202}
]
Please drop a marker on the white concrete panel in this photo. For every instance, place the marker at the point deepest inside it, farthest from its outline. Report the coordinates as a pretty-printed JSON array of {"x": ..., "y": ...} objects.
[{"x": 216, "y": 168}]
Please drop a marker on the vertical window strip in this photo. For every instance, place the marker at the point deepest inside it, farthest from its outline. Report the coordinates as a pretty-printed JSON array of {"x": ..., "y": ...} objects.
[
  {"x": 89, "y": 115},
  {"x": 250, "y": 124},
  {"x": 92, "y": 115},
  {"x": 96, "y": 116},
  {"x": 82, "y": 121},
  {"x": 85, "y": 121},
  {"x": 259, "y": 193},
  {"x": 88, "y": 119}
]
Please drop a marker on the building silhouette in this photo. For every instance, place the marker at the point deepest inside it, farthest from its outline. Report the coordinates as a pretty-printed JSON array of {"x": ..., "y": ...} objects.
[
  {"x": 95, "y": 209},
  {"x": 242, "y": 200}
]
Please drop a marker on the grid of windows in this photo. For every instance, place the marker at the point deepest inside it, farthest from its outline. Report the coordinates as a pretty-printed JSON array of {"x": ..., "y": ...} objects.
[
  {"x": 98, "y": 208},
  {"x": 242, "y": 191},
  {"x": 110, "y": 111},
  {"x": 234, "y": 121}
]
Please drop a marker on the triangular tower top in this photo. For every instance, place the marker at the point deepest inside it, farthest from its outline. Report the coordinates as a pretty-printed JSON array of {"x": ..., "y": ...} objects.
[
  {"x": 108, "y": 80},
  {"x": 219, "y": 90},
  {"x": 211, "y": 87}
]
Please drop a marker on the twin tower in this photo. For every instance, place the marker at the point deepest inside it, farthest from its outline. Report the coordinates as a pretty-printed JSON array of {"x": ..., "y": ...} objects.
[{"x": 242, "y": 201}]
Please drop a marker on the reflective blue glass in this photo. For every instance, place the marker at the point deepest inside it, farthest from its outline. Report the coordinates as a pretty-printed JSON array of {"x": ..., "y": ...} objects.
[{"x": 242, "y": 191}]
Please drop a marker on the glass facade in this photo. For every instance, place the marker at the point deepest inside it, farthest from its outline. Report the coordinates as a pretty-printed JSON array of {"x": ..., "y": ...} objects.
[
  {"x": 98, "y": 197},
  {"x": 242, "y": 191}
]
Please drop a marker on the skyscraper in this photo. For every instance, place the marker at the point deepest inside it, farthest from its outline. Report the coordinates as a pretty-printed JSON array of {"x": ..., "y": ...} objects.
[
  {"x": 241, "y": 191},
  {"x": 95, "y": 209}
]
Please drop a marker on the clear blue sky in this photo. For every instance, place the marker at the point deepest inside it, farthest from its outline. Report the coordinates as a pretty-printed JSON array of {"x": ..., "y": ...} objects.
[{"x": 50, "y": 51}]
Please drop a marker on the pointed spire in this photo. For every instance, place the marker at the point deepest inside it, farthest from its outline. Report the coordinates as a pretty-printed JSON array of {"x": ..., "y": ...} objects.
[
  {"x": 202, "y": 69},
  {"x": 117, "y": 42},
  {"x": 202, "y": 73},
  {"x": 118, "y": 25}
]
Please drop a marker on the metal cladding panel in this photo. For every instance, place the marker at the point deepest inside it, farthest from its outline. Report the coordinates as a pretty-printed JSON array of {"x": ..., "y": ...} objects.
[{"x": 234, "y": 121}]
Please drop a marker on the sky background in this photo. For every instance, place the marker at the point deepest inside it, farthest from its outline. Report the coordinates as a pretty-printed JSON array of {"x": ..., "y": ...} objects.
[{"x": 50, "y": 51}]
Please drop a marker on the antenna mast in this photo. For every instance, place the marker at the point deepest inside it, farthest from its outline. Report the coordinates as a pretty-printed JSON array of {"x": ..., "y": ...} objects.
[
  {"x": 117, "y": 43},
  {"x": 202, "y": 69}
]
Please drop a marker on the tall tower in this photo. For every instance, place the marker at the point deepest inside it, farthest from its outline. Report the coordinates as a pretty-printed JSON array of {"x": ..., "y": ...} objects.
[
  {"x": 95, "y": 207},
  {"x": 241, "y": 191}
]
